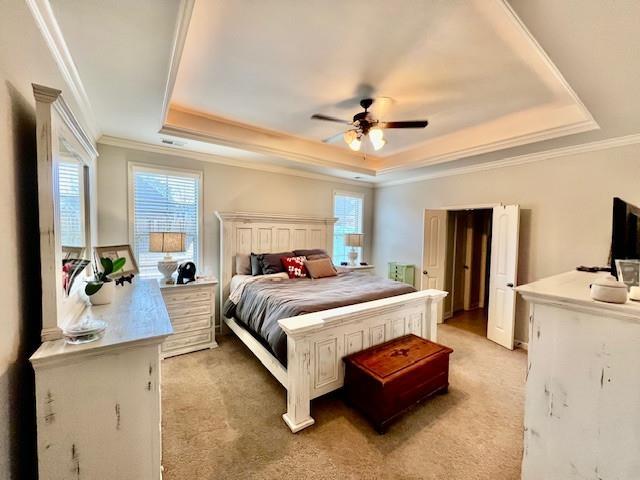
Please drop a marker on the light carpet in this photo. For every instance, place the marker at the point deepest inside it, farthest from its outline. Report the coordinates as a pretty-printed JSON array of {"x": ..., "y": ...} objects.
[{"x": 222, "y": 420}]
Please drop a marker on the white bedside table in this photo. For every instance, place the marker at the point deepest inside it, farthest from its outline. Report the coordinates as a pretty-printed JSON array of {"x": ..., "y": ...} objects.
[
  {"x": 192, "y": 310},
  {"x": 370, "y": 269}
]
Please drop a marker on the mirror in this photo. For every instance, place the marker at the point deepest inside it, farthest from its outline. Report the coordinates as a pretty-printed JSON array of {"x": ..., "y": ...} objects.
[{"x": 71, "y": 178}]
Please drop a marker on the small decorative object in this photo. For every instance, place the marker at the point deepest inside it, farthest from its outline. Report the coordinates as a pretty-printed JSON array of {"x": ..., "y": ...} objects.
[
  {"x": 353, "y": 240},
  {"x": 124, "y": 278},
  {"x": 102, "y": 288},
  {"x": 186, "y": 273},
  {"x": 634, "y": 294},
  {"x": 628, "y": 272},
  {"x": 118, "y": 251},
  {"x": 87, "y": 330},
  {"x": 344, "y": 264},
  {"x": 608, "y": 289},
  {"x": 167, "y": 243},
  {"x": 70, "y": 269}
]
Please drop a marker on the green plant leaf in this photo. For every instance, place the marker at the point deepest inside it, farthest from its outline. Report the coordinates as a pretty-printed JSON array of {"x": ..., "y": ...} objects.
[
  {"x": 107, "y": 265},
  {"x": 92, "y": 287},
  {"x": 118, "y": 264}
]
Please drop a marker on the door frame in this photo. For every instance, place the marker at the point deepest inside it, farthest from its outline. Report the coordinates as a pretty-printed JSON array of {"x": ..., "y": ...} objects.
[{"x": 473, "y": 206}]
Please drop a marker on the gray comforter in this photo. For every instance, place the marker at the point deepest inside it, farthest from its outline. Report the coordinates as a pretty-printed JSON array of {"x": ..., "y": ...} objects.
[{"x": 262, "y": 304}]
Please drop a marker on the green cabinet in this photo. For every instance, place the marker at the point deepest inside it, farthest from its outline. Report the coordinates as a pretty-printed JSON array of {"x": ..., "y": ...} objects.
[{"x": 402, "y": 272}]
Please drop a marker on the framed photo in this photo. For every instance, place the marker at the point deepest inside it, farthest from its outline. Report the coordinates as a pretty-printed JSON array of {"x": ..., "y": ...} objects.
[
  {"x": 72, "y": 253},
  {"x": 118, "y": 251},
  {"x": 629, "y": 272}
]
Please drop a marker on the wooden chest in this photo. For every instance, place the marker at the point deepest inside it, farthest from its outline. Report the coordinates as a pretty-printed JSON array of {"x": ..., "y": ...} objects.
[{"x": 385, "y": 380}]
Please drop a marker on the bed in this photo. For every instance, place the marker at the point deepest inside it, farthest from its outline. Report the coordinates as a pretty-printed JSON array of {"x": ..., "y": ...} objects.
[{"x": 316, "y": 341}]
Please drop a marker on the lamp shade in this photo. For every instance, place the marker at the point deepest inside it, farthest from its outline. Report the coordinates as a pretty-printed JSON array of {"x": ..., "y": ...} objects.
[
  {"x": 167, "y": 242},
  {"x": 354, "y": 239}
]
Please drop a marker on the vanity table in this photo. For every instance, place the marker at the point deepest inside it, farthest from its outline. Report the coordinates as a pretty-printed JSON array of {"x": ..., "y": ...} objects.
[
  {"x": 98, "y": 403},
  {"x": 583, "y": 385}
]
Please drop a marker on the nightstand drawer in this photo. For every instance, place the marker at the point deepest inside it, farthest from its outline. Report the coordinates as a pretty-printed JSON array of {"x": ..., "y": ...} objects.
[
  {"x": 188, "y": 309},
  {"x": 173, "y": 296},
  {"x": 189, "y": 339},
  {"x": 189, "y": 324}
]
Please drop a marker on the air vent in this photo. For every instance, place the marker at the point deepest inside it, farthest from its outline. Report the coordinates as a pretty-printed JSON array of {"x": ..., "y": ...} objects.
[{"x": 175, "y": 143}]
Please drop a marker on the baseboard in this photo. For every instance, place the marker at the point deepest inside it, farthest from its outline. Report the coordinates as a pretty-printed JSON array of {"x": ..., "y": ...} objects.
[{"x": 521, "y": 344}]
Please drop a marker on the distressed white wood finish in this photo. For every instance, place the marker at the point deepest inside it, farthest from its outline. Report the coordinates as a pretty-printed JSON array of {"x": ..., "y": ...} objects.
[
  {"x": 192, "y": 309},
  {"x": 98, "y": 404},
  {"x": 503, "y": 275},
  {"x": 54, "y": 120},
  {"x": 583, "y": 387},
  {"x": 317, "y": 342}
]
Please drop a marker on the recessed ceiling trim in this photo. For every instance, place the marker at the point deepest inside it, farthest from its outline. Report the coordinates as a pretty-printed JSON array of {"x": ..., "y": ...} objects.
[
  {"x": 524, "y": 159},
  {"x": 206, "y": 128},
  {"x": 182, "y": 27},
  {"x": 52, "y": 35},
  {"x": 211, "y": 158}
]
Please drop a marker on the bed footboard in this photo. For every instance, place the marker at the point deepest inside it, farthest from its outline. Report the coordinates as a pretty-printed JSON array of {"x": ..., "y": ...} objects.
[{"x": 317, "y": 342}]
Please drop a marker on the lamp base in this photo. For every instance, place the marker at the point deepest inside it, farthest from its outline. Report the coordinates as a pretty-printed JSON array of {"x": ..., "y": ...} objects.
[
  {"x": 353, "y": 257},
  {"x": 166, "y": 267}
]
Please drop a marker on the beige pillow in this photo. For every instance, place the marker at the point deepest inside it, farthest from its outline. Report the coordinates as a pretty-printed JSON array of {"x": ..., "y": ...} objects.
[
  {"x": 320, "y": 268},
  {"x": 243, "y": 264}
]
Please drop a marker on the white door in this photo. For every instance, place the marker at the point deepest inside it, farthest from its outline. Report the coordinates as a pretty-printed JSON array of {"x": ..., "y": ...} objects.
[
  {"x": 434, "y": 254},
  {"x": 502, "y": 278}
]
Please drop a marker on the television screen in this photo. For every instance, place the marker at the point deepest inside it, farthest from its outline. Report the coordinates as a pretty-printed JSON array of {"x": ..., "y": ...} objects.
[{"x": 625, "y": 237}]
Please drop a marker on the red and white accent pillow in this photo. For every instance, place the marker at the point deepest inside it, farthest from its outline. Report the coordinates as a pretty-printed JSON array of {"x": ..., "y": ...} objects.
[{"x": 294, "y": 266}]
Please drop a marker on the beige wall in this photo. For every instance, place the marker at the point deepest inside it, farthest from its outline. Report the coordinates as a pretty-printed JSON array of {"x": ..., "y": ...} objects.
[
  {"x": 565, "y": 211},
  {"x": 225, "y": 188}
]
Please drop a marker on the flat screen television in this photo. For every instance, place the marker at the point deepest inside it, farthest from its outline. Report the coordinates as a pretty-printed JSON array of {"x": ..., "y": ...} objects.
[{"x": 625, "y": 237}]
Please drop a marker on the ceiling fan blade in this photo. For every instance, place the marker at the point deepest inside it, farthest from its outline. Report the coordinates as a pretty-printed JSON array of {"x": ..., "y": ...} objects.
[
  {"x": 405, "y": 124},
  {"x": 319, "y": 116},
  {"x": 333, "y": 138}
]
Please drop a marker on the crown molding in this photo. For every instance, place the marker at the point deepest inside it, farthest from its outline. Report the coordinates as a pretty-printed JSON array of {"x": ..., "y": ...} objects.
[
  {"x": 522, "y": 159},
  {"x": 179, "y": 39},
  {"x": 273, "y": 218},
  {"x": 212, "y": 158},
  {"x": 52, "y": 35}
]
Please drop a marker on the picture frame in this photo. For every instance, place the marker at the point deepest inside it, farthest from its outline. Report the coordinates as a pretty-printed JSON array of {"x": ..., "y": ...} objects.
[
  {"x": 629, "y": 272},
  {"x": 72, "y": 253},
  {"x": 118, "y": 251}
]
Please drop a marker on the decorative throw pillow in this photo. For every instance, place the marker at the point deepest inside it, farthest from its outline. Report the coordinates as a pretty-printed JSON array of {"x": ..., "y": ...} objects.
[
  {"x": 243, "y": 264},
  {"x": 270, "y": 262},
  {"x": 310, "y": 251},
  {"x": 256, "y": 266},
  {"x": 294, "y": 266},
  {"x": 320, "y": 268}
]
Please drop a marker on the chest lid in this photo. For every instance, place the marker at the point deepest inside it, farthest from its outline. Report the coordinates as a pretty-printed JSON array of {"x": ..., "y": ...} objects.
[{"x": 398, "y": 354}]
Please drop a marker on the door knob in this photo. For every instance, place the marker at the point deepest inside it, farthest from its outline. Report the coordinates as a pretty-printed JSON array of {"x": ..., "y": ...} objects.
[
  {"x": 510, "y": 285},
  {"x": 424, "y": 272}
]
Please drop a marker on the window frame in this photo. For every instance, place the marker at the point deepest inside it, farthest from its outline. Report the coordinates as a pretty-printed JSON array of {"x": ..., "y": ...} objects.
[
  {"x": 349, "y": 193},
  {"x": 198, "y": 174}
]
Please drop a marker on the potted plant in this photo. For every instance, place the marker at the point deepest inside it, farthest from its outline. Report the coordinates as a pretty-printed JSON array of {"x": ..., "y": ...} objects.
[{"x": 101, "y": 289}]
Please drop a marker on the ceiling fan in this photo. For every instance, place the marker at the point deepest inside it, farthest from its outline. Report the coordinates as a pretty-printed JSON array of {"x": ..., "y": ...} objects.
[{"x": 365, "y": 125}]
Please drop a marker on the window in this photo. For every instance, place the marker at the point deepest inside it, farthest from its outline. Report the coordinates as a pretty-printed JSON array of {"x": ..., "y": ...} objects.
[
  {"x": 164, "y": 201},
  {"x": 347, "y": 207},
  {"x": 70, "y": 192}
]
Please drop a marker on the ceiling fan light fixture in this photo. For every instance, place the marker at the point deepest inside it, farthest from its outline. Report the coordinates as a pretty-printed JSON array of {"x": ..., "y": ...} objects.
[
  {"x": 355, "y": 144},
  {"x": 376, "y": 136},
  {"x": 352, "y": 139},
  {"x": 378, "y": 144}
]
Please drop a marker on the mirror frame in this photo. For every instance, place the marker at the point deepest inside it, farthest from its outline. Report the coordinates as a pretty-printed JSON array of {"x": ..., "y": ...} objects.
[{"x": 54, "y": 119}]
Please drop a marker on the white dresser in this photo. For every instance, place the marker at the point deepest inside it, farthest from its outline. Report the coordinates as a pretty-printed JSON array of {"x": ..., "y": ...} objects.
[
  {"x": 582, "y": 405},
  {"x": 192, "y": 309},
  {"x": 98, "y": 404}
]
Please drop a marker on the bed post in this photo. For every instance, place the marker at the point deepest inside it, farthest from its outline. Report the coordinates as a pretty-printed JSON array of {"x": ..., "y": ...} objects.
[
  {"x": 433, "y": 312},
  {"x": 298, "y": 414}
]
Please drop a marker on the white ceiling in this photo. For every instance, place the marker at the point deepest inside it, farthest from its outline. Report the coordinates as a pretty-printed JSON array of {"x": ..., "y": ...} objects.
[{"x": 251, "y": 74}]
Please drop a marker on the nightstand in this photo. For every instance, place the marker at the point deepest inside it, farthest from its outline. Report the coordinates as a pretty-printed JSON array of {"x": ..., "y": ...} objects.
[
  {"x": 369, "y": 269},
  {"x": 192, "y": 310}
]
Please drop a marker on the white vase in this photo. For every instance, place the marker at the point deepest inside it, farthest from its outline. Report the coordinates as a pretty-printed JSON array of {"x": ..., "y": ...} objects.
[{"x": 104, "y": 295}]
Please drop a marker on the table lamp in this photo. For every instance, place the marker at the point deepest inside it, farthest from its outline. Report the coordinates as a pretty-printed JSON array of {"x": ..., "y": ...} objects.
[
  {"x": 167, "y": 243},
  {"x": 353, "y": 240}
]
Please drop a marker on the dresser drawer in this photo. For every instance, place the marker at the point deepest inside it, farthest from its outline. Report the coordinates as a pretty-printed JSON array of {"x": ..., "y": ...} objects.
[
  {"x": 188, "y": 309},
  {"x": 188, "y": 339},
  {"x": 177, "y": 295},
  {"x": 189, "y": 324}
]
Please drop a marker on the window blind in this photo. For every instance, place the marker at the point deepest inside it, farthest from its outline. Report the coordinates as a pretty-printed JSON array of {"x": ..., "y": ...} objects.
[
  {"x": 70, "y": 190},
  {"x": 348, "y": 209},
  {"x": 165, "y": 201}
]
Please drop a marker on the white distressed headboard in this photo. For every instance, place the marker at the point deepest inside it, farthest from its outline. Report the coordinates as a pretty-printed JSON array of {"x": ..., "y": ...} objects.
[{"x": 245, "y": 232}]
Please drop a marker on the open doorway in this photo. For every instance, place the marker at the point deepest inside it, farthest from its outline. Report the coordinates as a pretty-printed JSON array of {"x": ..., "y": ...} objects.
[
  {"x": 472, "y": 253},
  {"x": 468, "y": 269}
]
